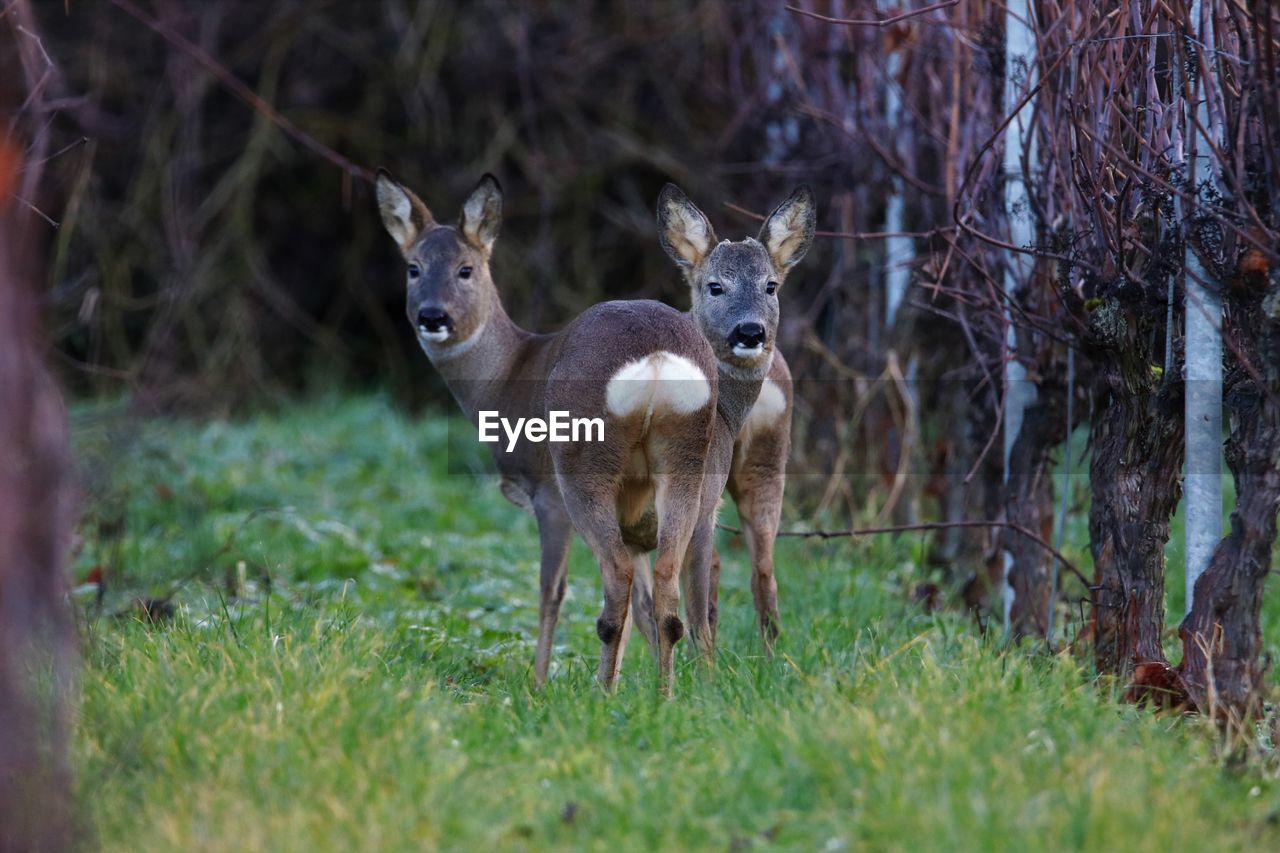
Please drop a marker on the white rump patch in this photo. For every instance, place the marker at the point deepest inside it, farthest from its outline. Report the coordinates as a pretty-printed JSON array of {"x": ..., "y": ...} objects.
[
  {"x": 661, "y": 381},
  {"x": 768, "y": 407}
]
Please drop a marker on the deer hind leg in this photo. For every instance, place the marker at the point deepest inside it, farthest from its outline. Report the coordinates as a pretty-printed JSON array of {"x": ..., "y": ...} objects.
[
  {"x": 555, "y": 534},
  {"x": 590, "y": 503},
  {"x": 642, "y": 600},
  {"x": 614, "y": 625},
  {"x": 676, "y": 502},
  {"x": 713, "y": 608}
]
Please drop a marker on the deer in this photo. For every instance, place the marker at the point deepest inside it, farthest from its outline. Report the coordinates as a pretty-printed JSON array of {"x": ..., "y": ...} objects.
[
  {"x": 757, "y": 481},
  {"x": 729, "y": 281},
  {"x": 644, "y": 367}
]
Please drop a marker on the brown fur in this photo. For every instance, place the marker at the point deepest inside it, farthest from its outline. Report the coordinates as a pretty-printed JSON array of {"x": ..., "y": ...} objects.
[
  {"x": 657, "y": 479},
  {"x": 490, "y": 363},
  {"x": 747, "y": 275},
  {"x": 756, "y": 483}
]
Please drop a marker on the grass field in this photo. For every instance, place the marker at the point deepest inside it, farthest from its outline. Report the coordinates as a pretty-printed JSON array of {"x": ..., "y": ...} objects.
[{"x": 349, "y": 667}]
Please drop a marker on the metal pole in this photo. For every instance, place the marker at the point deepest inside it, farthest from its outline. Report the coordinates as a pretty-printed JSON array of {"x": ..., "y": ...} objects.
[
  {"x": 898, "y": 250},
  {"x": 1019, "y": 392},
  {"x": 1202, "y": 485}
]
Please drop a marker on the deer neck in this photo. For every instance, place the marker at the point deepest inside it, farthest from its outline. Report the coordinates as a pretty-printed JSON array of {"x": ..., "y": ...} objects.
[
  {"x": 738, "y": 389},
  {"x": 476, "y": 369}
]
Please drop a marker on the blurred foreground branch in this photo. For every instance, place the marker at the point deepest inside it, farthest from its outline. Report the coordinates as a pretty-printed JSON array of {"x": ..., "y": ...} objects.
[{"x": 37, "y": 650}]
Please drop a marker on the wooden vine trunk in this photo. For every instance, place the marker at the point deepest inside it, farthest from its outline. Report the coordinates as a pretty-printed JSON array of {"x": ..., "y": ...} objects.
[
  {"x": 1222, "y": 636},
  {"x": 1135, "y": 472}
]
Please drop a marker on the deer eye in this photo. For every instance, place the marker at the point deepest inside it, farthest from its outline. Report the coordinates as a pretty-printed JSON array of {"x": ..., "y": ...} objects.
[
  {"x": 771, "y": 288},
  {"x": 415, "y": 272},
  {"x": 715, "y": 288},
  {"x": 464, "y": 272}
]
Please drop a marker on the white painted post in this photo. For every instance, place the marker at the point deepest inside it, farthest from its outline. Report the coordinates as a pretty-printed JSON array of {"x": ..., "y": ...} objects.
[
  {"x": 898, "y": 250},
  {"x": 1202, "y": 484},
  {"x": 1020, "y": 393}
]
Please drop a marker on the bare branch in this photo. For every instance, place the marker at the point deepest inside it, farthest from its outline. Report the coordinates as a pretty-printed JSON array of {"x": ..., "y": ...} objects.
[
  {"x": 929, "y": 525},
  {"x": 872, "y": 22}
]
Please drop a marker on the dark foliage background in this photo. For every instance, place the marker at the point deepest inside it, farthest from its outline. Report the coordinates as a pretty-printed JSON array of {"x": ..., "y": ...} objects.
[{"x": 205, "y": 257}]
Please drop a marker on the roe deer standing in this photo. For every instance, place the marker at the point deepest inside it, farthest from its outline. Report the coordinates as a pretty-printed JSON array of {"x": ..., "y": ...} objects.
[
  {"x": 757, "y": 480},
  {"x": 734, "y": 289},
  {"x": 642, "y": 366}
]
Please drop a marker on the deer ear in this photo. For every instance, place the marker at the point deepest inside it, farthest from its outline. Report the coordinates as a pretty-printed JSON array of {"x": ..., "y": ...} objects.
[
  {"x": 482, "y": 214},
  {"x": 403, "y": 213},
  {"x": 788, "y": 232},
  {"x": 684, "y": 231}
]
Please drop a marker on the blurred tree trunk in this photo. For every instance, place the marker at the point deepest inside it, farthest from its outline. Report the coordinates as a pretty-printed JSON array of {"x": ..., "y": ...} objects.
[
  {"x": 958, "y": 343},
  {"x": 963, "y": 415},
  {"x": 36, "y": 646},
  {"x": 36, "y": 637},
  {"x": 1029, "y": 496}
]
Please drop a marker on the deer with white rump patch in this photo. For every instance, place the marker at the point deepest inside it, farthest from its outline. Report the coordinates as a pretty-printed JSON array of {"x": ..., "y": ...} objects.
[{"x": 641, "y": 366}]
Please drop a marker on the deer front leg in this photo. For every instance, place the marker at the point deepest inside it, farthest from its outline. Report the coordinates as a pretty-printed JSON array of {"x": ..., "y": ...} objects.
[
  {"x": 555, "y": 534},
  {"x": 699, "y": 579},
  {"x": 764, "y": 586},
  {"x": 760, "y": 510},
  {"x": 757, "y": 489}
]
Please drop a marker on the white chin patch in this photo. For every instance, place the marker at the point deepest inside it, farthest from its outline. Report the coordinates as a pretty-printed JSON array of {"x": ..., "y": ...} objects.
[
  {"x": 436, "y": 337},
  {"x": 748, "y": 352}
]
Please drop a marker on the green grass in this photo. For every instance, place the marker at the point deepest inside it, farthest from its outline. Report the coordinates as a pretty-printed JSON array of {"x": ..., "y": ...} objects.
[{"x": 349, "y": 668}]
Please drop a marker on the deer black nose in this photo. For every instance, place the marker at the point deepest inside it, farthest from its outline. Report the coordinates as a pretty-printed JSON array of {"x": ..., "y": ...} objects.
[
  {"x": 433, "y": 319},
  {"x": 748, "y": 335}
]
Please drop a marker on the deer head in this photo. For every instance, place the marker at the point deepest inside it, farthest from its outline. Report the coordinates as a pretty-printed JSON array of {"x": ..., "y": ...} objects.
[
  {"x": 735, "y": 285},
  {"x": 450, "y": 292}
]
